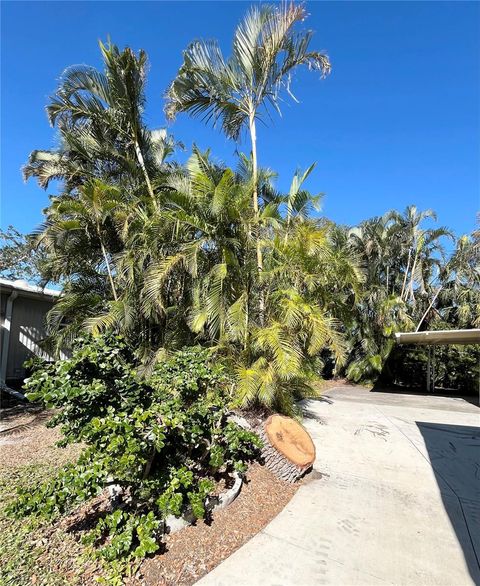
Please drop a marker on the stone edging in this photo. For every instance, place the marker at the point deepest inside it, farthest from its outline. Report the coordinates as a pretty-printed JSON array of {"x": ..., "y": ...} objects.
[{"x": 174, "y": 524}]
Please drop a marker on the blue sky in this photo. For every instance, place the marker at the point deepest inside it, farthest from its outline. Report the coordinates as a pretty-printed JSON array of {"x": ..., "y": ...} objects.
[{"x": 397, "y": 121}]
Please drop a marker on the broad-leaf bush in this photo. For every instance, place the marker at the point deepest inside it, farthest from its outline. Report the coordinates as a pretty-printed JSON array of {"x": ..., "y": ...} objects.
[{"x": 161, "y": 442}]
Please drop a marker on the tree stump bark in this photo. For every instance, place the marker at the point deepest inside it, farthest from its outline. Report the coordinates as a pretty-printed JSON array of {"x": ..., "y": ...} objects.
[{"x": 288, "y": 449}]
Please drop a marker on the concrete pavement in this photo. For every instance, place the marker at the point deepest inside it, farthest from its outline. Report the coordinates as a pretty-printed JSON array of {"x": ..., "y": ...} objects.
[{"x": 394, "y": 499}]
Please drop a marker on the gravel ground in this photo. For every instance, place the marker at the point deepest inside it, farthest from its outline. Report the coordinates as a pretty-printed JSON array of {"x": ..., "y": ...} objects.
[{"x": 187, "y": 555}]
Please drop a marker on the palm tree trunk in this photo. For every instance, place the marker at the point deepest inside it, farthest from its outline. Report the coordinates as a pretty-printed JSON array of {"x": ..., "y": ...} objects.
[
  {"x": 406, "y": 273},
  {"x": 141, "y": 162},
  {"x": 287, "y": 224},
  {"x": 429, "y": 307},
  {"x": 110, "y": 276},
  {"x": 412, "y": 278},
  {"x": 253, "y": 138}
]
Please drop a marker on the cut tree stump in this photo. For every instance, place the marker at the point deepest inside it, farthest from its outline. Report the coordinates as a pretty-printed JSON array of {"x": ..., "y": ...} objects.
[{"x": 288, "y": 449}]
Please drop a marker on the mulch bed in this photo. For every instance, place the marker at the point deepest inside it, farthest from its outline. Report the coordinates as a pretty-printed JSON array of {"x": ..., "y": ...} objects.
[
  {"x": 187, "y": 555},
  {"x": 24, "y": 439},
  {"x": 196, "y": 550}
]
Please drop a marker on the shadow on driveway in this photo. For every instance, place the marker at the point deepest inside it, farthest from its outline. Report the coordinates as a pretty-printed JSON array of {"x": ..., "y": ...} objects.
[
  {"x": 472, "y": 398},
  {"x": 454, "y": 452}
]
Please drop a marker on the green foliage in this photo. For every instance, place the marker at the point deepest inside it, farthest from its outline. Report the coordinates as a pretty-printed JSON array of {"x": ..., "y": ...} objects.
[
  {"x": 267, "y": 49},
  {"x": 156, "y": 256},
  {"x": 163, "y": 440},
  {"x": 456, "y": 367},
  {"x": 19, "y": 257},
  {"x": 409, "y": 284},
  {"x": 127, "y": 534},
  {"x": 171, "y": 255},
  {"x": 18, "y": 556}
]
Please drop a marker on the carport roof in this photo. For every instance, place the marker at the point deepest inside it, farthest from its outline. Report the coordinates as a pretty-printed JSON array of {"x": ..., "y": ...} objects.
[{"x": 439, "y": 337}]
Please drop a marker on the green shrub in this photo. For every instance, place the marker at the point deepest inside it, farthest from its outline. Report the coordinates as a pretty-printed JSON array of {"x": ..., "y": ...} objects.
[{"x": 162, "y": 441}]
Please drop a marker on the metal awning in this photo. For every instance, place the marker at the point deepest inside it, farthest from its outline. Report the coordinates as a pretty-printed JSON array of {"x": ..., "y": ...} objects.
[{"x": 435, "y": 338}]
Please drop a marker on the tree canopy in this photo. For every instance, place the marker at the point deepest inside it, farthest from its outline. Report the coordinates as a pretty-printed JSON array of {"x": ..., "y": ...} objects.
[{"x": 169, "y": 255}]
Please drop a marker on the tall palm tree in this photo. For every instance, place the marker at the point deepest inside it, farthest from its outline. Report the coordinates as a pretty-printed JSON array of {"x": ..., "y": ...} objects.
[
  {"x": 99, "y": 115},
  {"x": 413, "y": 238},
  {"x": 237, "y": 91},
  {"x": 459, "y": 289}
]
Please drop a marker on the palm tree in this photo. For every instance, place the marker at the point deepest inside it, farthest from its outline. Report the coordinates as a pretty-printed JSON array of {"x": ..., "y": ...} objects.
[
  {"x": 83, "y": 217},
  {"x": 402, "y": 260},
  {"x": 375, "y": 240},
  {"x": 237, "y": 91},
  {"x": 459, "y": 289},
  {"x": 99, "y": 116},
  {"x": 413, "y": 236},
  {"x": 205, "y": 276}
]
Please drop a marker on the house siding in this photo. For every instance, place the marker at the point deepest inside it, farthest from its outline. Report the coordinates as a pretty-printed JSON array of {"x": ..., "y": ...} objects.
[
  {"x": 27, "y": 330},
  {"x": 29, "y": 306}
]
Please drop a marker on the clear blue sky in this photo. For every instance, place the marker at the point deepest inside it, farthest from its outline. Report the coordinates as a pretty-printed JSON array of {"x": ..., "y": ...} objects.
[{"x": 396, "y": 123}]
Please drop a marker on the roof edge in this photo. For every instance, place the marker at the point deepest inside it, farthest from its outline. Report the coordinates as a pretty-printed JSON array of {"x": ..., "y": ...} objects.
[
  {"x": 438, "y": 337},
  {"x": 22, "y": 286}
]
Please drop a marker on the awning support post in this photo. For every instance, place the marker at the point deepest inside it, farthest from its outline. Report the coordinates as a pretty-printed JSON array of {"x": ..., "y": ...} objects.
[
  {"x": 429, "y": 365},
  {"x": 433, "y": 369}
]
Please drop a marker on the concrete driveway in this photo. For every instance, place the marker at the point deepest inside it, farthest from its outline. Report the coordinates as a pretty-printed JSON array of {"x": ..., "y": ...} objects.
[{"x": 394, "y": 498}]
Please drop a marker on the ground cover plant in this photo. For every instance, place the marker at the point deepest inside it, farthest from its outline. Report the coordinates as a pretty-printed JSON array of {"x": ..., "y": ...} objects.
[
  {"x": 33, "y": 550},
  {"x": 29, "y": 551},
  {"x": 160, "y": 445}
]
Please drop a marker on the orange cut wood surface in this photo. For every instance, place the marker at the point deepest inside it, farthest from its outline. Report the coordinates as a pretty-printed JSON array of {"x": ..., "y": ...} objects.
[{"x": 291, "y": 439}]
